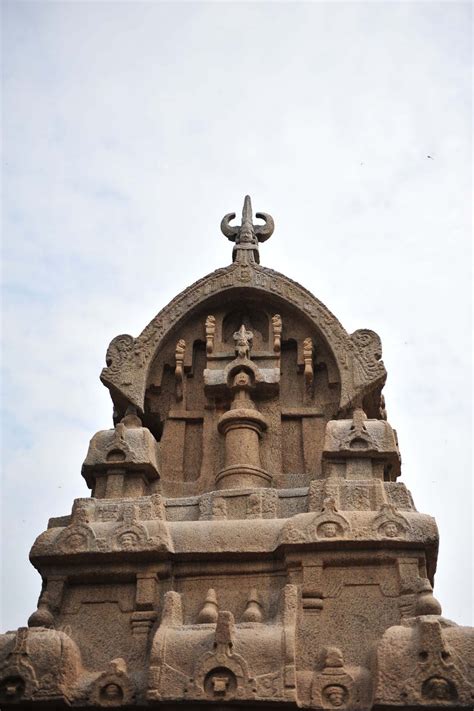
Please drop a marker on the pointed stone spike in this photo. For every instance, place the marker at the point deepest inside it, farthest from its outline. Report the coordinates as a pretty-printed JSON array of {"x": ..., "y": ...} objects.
[
  {"x": 247, "y": 210},
  {"x": 248, "y": 235},
  {"x": 210, "y": 610}
]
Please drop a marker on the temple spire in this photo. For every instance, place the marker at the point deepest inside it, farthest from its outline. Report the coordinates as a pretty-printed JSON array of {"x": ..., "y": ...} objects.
[{"x": 248, "y": 235}]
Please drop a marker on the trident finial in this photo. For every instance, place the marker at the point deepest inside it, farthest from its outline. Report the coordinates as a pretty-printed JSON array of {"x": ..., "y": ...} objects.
[{"x": 248, "y": 235}]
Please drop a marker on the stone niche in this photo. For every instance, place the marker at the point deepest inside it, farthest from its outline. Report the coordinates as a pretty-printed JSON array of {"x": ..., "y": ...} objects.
[
  {"x": 295, "y": 387},
  {"x": 247, "y": 542}
]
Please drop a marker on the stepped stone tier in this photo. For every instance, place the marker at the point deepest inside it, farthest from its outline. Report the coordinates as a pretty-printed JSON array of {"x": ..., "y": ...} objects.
[{"x": 247, "y": 542}]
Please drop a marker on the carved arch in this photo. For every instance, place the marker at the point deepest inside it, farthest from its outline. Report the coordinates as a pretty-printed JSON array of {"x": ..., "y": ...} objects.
[{"x": 358, "y": 356}]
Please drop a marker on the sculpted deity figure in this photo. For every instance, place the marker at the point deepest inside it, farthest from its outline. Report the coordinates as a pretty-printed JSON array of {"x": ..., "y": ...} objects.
[
  {"x": 335, "y": 694},
  {"x": 328, "y": 529},
  {"x": 243, "y": 342},
  {"x": 390, "y": 529},
  {"x": 128, "y": 540}
]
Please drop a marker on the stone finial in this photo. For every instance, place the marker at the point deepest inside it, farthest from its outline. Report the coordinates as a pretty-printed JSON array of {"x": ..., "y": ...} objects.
[
  {"x": 308, "y": 363},
  {"x": 42, "y": 616},
  {"x": 210, "y": 610},
  {"x": 210, "y": 333},
  {"x": 277, "y": 325},
  {"x": 179, "y": 369},
  {"x": 253, "y": 609},
  {"x": 248, "y": 235}
]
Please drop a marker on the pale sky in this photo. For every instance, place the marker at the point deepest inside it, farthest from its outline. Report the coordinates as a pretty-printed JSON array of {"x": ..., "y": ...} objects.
[{"x": 130, "y": 129}]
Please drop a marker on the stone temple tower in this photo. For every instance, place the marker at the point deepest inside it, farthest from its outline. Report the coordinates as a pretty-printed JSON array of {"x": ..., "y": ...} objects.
[{"x": 247, "y": 542}]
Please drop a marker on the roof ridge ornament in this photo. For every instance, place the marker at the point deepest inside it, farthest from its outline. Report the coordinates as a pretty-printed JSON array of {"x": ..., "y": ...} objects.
[{"x": 247, "y": 235}]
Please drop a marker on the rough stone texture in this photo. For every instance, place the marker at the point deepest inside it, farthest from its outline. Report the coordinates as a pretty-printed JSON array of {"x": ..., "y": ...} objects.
[{"x": 246, "y": 542}]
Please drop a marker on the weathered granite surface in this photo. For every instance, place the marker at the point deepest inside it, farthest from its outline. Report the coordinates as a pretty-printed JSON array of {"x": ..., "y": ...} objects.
[{"x": 247, "y": 542}]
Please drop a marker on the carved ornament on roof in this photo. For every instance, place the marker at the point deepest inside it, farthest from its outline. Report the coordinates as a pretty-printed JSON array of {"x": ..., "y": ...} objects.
[{"x": 247, "y": 236}]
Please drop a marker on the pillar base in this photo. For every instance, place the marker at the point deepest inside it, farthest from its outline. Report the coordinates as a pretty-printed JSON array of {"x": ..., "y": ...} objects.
[{"x": 242, "y": 477}]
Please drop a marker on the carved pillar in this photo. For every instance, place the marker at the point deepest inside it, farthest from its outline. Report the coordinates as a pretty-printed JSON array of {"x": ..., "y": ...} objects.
[{"x": 242, "y": 427}]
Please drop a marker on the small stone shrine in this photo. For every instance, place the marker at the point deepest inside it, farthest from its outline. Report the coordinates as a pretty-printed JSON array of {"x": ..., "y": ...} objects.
[{"x": 247, "y": 542}]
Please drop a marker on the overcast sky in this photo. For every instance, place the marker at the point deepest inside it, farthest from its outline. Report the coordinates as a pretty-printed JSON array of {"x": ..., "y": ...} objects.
[{"x": 131, "y": 128}]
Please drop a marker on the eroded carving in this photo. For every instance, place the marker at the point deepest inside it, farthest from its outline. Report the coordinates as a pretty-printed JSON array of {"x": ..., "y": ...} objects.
[
  {"x": 76, "y": 538},
  {"x": 17, "y": 676},
  {"x": 219, "y": 508},
  {"x": 425, "y": 662},
  {"x": 118, "y": 354},
  {"x": 113, "y": 687}
]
